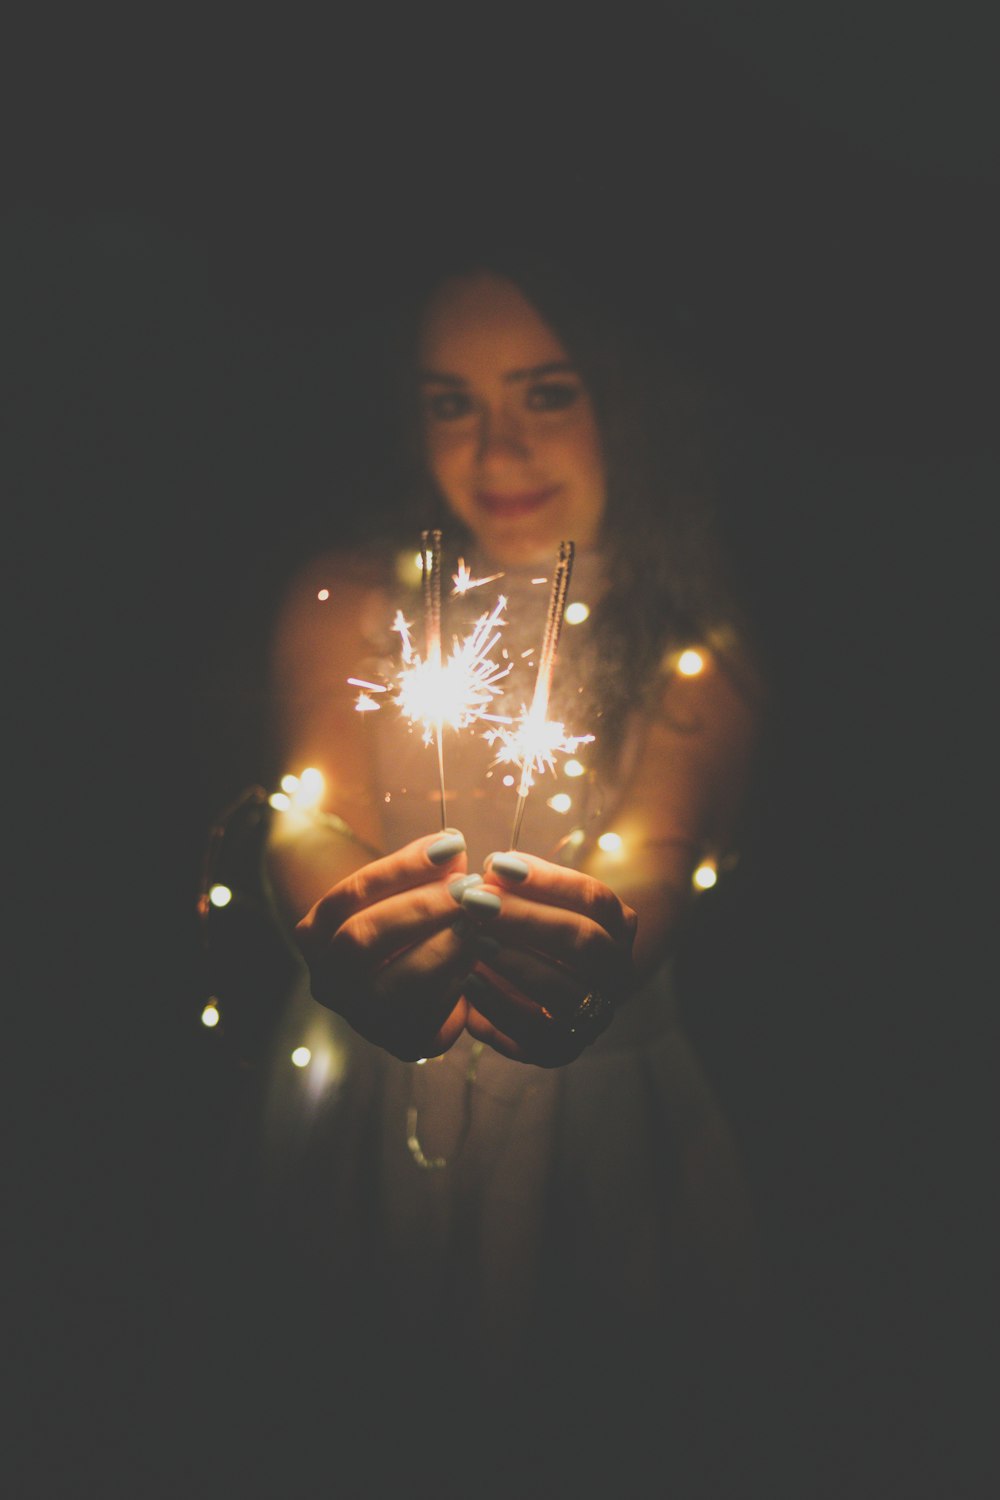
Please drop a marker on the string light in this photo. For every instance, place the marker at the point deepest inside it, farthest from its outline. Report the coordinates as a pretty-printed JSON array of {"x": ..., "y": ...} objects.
[
  {"x": 705, "y": 876},
  {"x": 301, "y": 1057},
  {"x": 576, "y": 613},
  {"x": 220, "y": 895},
  {"x": 690, "y": 663},
  {"x": 560, "y": 803},
  {"x": 610, "y": 842},
  {"x": 573, "y": 768},
  {"x": 210, "y": 1015}
]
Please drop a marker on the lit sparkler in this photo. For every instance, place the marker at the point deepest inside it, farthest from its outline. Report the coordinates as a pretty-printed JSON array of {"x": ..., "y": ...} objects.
[
  {"x": 536, "y": 740},
  {"x": 431, "y": 691}
]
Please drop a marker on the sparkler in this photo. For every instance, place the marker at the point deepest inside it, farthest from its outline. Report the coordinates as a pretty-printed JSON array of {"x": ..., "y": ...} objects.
[
  {"x": 536, "y": 740},
  {"x": 431, "y": 691},
  {"x": 430, "y": 562}
]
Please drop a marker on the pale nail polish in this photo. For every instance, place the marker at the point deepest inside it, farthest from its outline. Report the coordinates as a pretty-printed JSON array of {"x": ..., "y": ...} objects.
[
  {"x": 509, "y": 865},
  {"x": 481, "y": 903},
  {"x": 462, "y": 884},
  {"x": 445, "y": 848}
]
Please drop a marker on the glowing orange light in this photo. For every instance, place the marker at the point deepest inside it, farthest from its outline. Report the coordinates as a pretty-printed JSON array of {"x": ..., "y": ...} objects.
[
  {"x": 323, "y": 594},
  {"x": 690, "y": 663},
  {"x": 610, "y": 842},
  {"x": 210, "y": 1015},
  {"x": 705, "y": 876}
]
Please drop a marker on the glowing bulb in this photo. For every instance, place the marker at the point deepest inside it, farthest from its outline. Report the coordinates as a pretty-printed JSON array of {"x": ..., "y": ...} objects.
[
  {"x": 301, "y": 1057},
  {"x": 609, "y": 842},
  {"x": 560, "y": 803},
  {"x": 279, "y": 801},
  {"x": 573, "y": 768},
  {"x": 310, "y": 787},
  {"x": 690, "y": 663},
  {"x": 705, "y": 877},
  {"x": 210, "y": 1015},
  {"x": 408, "y": 568},
  {"x": 576, "y": 613},
  {"x": 323, "y": 594},
  {"x": 220, "y": 895},
  {"x": 289, "y": 784}
]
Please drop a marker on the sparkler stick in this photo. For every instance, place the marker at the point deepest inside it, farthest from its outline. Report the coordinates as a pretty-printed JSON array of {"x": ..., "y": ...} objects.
[
  {"x": 535, "y": 722},
  {"x": 430, "y": 560}
]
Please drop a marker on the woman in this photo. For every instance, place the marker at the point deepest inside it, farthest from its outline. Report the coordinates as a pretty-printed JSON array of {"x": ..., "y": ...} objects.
[{"x": 518, "y": 1130}]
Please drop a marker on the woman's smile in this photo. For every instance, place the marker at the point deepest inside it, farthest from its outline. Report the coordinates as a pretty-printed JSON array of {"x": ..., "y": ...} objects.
[
  {"x": 509, "y": 426},
  {"x": 507, "y": 505}
]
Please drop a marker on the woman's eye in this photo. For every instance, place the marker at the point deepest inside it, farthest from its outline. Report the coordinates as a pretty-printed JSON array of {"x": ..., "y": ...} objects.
[
  {"x": 554, "y": 395},
  {"x": 449, "y": 406}
]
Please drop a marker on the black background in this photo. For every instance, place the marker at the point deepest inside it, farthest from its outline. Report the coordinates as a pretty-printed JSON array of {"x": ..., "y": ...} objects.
[{"x": 200, "y": 215}]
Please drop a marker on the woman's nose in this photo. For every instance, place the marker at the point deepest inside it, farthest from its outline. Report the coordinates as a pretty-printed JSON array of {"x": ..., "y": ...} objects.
[{"x": 501, "y": 435}]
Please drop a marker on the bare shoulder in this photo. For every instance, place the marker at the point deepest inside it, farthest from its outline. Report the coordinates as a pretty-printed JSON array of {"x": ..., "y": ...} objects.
[
  {"x": 339, "y": 580},
  {"x": 336, "y": 598}
]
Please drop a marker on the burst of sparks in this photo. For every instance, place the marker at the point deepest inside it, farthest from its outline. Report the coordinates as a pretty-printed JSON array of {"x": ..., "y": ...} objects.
[
  {"x": 537, "y": 739},
  {"x": 464, "y": 581},
  {"x": 533, "y": 744},
  {"x": 458, "y": 691}
]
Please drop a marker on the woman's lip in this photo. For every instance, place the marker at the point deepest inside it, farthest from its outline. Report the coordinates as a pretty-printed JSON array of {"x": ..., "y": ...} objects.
[{"x": 518, "y": 504}]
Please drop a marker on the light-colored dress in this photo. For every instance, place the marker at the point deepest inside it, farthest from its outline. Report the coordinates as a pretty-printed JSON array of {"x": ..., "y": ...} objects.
[{"x": 491, "y": 1199}]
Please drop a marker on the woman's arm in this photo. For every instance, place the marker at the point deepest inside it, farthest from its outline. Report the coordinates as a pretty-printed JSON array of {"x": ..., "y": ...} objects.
[{"x": 683, "y": 801}]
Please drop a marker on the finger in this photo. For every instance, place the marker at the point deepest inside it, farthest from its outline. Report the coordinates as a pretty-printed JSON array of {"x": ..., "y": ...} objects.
[
  {"x": 413, "y": 1007},
  {"x": 377, "y": 934},
  {"x": 539, "y": 880},
  {"x": 556, "y": 934},
  {"x": 427, "y": 859},
  {"x": 508, "y": 1021}
]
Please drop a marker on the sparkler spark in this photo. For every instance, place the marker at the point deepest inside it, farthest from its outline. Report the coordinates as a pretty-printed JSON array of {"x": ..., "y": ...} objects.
[
  {"x": 432, "y": 692},
  {"x": 536, "y": 740},
  {"x": 464, "y": 581},
  {"x": 459, "y": 691}
]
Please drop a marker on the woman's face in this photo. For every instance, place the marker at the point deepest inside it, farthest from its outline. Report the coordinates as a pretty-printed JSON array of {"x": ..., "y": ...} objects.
[{"x": 511, "y": 436}]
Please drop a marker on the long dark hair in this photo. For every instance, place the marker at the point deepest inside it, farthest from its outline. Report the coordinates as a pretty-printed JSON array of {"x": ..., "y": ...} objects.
[{"x": 663, "y": 427}]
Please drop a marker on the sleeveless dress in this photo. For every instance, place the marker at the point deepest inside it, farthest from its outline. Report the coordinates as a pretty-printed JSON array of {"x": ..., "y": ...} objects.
[{"x": 511, "y": 1215}]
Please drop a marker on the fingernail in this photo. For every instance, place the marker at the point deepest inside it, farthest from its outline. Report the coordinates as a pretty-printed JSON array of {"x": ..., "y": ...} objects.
[
  {"x": 486, "y": 945},
  {"x": 462, "y": 884},
  {"x": 509, "y": 865},
  {"x": 481, "y": 903},
  {"x": 445, "y": 848}
]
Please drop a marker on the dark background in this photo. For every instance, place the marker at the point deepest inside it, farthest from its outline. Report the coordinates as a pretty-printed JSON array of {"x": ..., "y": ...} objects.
[{"x": 200, "y": 227}]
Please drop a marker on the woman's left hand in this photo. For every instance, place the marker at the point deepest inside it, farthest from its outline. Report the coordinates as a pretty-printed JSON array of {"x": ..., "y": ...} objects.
[{"x": 555, "y": 958}]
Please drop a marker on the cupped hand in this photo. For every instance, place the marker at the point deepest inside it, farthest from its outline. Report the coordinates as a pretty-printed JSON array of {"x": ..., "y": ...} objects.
[
  {"x": 385, "y": 948},
  {"x": 554, "y": 958}
]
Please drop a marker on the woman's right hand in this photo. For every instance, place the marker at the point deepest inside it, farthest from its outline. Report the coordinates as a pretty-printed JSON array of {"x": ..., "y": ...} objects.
[{"x": 386, "y": 950}]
